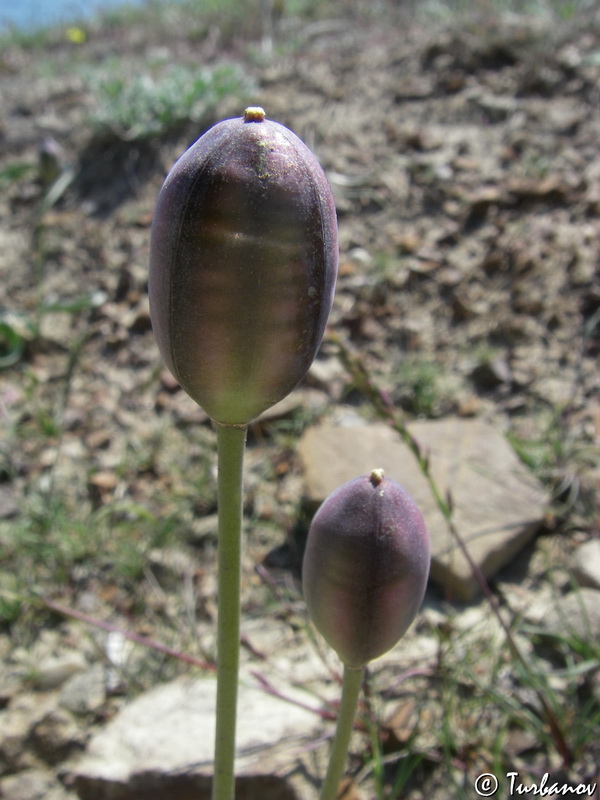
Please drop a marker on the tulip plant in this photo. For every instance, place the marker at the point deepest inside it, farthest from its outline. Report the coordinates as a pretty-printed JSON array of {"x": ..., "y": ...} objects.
[
  {"x": 364, "y": 575},
  {"x": 243, "y": 264}
]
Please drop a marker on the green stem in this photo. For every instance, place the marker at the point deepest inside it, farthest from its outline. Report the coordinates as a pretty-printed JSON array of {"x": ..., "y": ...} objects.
[
  {"x": 345, "y": 722},
  {"x": 231, "y": 443}
]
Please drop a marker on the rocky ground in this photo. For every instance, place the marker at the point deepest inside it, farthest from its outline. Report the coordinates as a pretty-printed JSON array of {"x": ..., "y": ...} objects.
[{"x": 464, "y": 160}]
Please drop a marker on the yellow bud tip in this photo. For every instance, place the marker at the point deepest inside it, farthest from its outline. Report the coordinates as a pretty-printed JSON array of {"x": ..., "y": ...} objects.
[
  {"x": 376, "y": 476},
  {"x": 254, "y": 114}
]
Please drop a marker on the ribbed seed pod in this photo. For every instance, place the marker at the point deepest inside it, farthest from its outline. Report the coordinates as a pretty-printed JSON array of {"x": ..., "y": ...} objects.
[
  {"x": 365, "y": 567},
  {"x": 243, "y": 264}
]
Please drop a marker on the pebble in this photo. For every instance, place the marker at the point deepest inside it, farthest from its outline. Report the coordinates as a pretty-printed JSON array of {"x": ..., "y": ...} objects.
[
  {"x": 586, "y": 567},
  {"x": 54, "y": 671},
  {"x": 33, "y": 784},
  {"x": 84, "y": 692},
  {"x": 575, "y": 615}
]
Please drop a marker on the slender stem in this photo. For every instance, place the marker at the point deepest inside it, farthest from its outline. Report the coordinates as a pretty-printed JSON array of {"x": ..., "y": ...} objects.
[
  {"x": 231, "y": 443},
  {"x": 345, "y": 722}
]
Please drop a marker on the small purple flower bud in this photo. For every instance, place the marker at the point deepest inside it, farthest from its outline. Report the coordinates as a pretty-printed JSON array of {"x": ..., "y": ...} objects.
[
  {"x": 365, "y": 567},
  {"x": 243, "y": 264}
]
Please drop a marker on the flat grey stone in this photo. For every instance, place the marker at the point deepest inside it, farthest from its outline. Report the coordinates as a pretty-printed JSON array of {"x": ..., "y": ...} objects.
[
  {"x": 161, "y": 745},
  {"x": 497, "y": 503}
]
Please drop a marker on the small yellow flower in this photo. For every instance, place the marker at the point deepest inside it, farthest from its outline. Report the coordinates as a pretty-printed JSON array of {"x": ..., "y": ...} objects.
[{"x": 76, "y": 35}]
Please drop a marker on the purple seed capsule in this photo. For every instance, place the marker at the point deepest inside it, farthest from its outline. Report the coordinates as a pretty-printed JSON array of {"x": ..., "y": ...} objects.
[
  {"x": 243, "y": 265},
  {"x": 365, "y": 567}
]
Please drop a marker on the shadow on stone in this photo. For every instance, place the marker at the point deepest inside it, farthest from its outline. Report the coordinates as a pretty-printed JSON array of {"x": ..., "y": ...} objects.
[{"x": 181, "y": 787}]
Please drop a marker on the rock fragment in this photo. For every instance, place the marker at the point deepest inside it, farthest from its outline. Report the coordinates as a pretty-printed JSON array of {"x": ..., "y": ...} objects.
[
  {"x": 161, "y": 745},
  {"x": 497, "y": 504},
  {"x": 586, "y": 568}
]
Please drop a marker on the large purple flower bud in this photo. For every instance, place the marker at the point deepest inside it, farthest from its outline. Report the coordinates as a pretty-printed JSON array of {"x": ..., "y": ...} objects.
[
  {"x": 243, "y": 264},
  {"x": 365, "y": 567}
]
